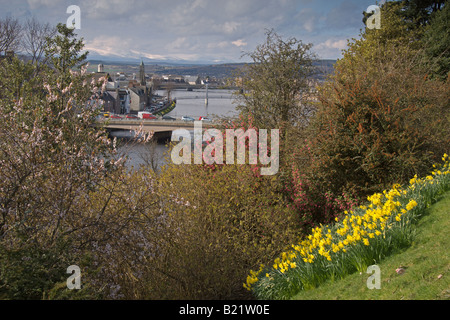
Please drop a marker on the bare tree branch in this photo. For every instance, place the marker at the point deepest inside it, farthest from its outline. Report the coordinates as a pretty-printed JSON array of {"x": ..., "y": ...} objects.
[
  {"x": 35, "y": 38},
  {"x": 10, "y": 33}
]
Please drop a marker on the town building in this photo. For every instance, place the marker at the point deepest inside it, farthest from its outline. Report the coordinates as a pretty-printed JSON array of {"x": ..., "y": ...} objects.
[
  {"x": 138, "y": 99},
  {"x": 192, "y": 80},
  {"x": 123, "y": 95},
  {"x": 140, "y": 91}
]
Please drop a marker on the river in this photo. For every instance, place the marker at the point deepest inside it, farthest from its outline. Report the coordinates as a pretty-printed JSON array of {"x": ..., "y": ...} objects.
[
  {"x": 192, "y": 103},
  {"x": 189, "y": 103}
]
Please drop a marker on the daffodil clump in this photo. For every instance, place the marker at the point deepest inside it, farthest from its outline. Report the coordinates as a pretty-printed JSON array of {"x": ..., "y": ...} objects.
[{"x": 360, "y": 238}]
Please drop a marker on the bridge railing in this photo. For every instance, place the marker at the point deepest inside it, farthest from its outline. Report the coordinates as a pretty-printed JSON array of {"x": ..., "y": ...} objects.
[{"x": 153, "y": 122}]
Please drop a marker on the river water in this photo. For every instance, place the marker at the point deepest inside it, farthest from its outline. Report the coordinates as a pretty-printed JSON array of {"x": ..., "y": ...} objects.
[
  {"x": 192, "y": 103},
  {"x": 189, "y": 103}
]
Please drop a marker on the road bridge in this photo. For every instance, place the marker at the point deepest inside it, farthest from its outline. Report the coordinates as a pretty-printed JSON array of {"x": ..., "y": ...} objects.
[
  {"x": 162, "y": 129},
  {"x": 154, "y": 125}
]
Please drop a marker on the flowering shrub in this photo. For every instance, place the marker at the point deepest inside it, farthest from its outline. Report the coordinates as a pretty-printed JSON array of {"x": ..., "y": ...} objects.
[
  {"x": 242, "y": 147},
  {"x": 364, "y": 235},
  {"x": 308, "y": 197},
  {"x": 379, "y": 122},
  {"x": 53, "y": 164},
  {"x": 312, "y": 205}
]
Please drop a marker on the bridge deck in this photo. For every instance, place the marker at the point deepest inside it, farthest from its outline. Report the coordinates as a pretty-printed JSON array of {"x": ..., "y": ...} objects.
[{"x": 153, "y": 125}]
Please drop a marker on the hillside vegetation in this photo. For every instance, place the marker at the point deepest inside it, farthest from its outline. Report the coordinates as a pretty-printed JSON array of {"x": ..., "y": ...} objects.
[
  {"x": 359, "y": 158},
  {"x": 426, "y": 265}
]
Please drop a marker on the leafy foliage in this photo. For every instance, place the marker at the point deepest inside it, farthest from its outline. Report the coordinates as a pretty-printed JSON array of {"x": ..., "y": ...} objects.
[
  {"x": 51, "y": 159},
  {"x": 381, "y": 119},
  {"x": 436, "y": 42},
  {"x": 193, "y": 231},
  {"x": 275, "y": 86}
]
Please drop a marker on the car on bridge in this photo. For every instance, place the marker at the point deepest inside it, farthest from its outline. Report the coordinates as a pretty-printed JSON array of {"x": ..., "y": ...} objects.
[
  {"x": 146, "y": 115},
  {"x": 115, "y": 116},
  {"x": 169, "y": 118},
  {"x": 131, "y": 116},
  {"x": 186, "y": 118}
]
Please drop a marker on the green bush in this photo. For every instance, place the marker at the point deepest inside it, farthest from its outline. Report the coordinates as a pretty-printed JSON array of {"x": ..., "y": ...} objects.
[
  {"x": 374, "y": 129},
  {"x": 217, "y": 223}
]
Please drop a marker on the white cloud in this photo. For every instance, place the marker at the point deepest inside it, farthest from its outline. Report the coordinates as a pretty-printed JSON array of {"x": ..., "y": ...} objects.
[
  {"x": 330, "y": 48},
  {"x": 239, "y": 43},
  {"x": 335, "y": 44},
  {"x": 111, "y": 45},
  {"x": 147, "y": 55},
  {"x": 200, "y": 28}
]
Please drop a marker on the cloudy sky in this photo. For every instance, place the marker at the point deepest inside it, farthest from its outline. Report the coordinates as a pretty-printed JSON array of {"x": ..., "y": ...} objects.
[{"x": 199, "y": 30}]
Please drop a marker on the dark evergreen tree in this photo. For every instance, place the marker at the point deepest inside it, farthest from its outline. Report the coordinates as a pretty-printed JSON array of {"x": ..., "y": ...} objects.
[{"x": 436, "y": 42}]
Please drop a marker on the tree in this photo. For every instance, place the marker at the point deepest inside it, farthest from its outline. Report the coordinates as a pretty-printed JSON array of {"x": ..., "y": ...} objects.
[
  {"x": 380, "y": 120},
  {"x": 63, "y": 52},
  {"x": 276, "y": 86},
  {"x": 436, "y": 42},
  {"x": 417, "y": 13},
  {"x": 10, "y": 33},
  {"x": 53, "y": 162},
  {"x": 34, "y": 39},
  {"x": 69, "y": 79},
  {"x": 374, "y": 45}
]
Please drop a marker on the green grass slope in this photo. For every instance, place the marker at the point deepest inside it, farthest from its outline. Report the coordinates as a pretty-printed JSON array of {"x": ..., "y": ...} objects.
[{"x": 426, "y": 265}]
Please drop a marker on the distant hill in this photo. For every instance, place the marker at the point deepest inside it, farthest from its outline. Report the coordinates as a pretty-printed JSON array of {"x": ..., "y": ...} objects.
[
  {"x": 325, "y": 67},
  {"x": 219, "y": 71},
  {"x": 213, "y": 70}
]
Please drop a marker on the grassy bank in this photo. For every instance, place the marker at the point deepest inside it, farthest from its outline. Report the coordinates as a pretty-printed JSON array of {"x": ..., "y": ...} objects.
[
  {"x": 426, "y": 263},
  {"x": 367, "y": 235}
]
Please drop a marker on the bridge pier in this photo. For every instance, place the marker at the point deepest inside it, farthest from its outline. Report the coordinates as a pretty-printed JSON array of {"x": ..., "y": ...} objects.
[
  {"x": 159, "y": 136},
  {"x": 162, "y": 130},
  {"x": 162, "y": 136}
]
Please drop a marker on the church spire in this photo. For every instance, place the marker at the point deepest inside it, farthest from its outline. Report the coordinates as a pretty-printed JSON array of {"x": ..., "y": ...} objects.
[{"x": 142, "y": 73}]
